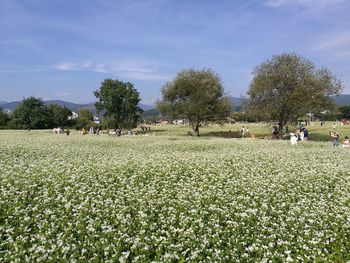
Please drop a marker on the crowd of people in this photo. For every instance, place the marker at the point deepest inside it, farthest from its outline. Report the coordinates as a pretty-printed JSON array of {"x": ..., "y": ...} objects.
[
  {"x": 302, "y": 134},
  {"x": 117, "y": 132}
]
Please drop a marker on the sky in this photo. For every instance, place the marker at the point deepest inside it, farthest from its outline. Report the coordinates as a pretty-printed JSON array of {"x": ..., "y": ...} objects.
[{"x": 64, "y": 49}]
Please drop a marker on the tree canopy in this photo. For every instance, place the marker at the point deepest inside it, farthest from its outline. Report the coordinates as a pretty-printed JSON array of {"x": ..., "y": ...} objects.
[
  {"x": 85, "y": 119},
  {"x": 119, "y": 101},
  {"x": 31, "y": 113},
  {"x": 59, "y": 115},
  {"x": 4, "y": 118},
  {"x": 287, "y": 86},
  {"x": 196, "y": 95}
]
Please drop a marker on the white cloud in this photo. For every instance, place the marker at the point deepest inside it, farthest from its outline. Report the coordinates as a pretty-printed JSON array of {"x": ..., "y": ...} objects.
[
  {"x": 100, "y": 68},
  {"x": 139, "y": 70},
  {"x": 86, "y": 64},
  {"x": 62, "y": 94},
  {"x": 68, "y": 66},
  {"x": 81, "y": 66},
  {"x": 334, "y": 42},
  {"x": 313, "y": 4},
  {"x": 133, "y": 69}
]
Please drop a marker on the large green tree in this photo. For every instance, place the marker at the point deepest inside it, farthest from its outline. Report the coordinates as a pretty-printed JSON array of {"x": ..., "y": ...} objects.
[
  {"x": 119, "y": 101},
  {"x": 4, "y": 118},
  {"x": 197, "y": 95},
  {"x": 59, "y": 115},
  {"x": 288, "y": 86},
  {"x": 31, "y": 113}
]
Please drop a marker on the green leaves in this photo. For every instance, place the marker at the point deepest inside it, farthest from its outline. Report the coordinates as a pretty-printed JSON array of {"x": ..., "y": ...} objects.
[
  {"x": 31, "y": 113},
  {"x": 196, "y": 95},
  {"x": 119, "y": 101},
  {"x": 285, "y": 87}
]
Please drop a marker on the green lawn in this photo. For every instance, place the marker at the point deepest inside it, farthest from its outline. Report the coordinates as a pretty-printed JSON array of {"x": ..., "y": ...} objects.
[{"x": 317, "y": 132}]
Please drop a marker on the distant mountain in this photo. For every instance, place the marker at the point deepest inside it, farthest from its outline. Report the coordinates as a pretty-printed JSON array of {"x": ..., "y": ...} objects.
[
  {"x": 10, "y": 106},
  {"x": 343, "y": 99},
  {"x": 147, "y": 107},
  {"x": 151, "y": 114},
  {"x": 340, "y": 100},
  {"x": 235, "y": 101}
]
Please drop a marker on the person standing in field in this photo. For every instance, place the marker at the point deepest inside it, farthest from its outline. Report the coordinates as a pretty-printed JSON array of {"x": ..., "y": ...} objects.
[
  {"x": 306, "y": 134},
  {"x": 275, "y": 133},
  {"x": 297, "y": 134},
  {"x": 335, "y": 138},
  {"x": 243, "y": 131},
  {"x": 302, "y": 134}
]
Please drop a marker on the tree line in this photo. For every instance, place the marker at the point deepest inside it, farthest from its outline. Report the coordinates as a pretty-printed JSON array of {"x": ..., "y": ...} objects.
[
  {"x": 32, "y": 113},
  {"x": 116, "y": 101},
  {"x": 283, "y": 89}
]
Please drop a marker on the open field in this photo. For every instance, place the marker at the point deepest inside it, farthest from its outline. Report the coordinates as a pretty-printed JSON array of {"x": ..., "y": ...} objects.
[
  {"x": 172, "y": 199},
  {"x": 317, "y": 132}
]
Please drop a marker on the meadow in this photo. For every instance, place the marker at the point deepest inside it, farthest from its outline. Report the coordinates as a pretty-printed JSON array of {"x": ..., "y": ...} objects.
[
  {"x": 169, "y": 198},
  {"x": 260, "y": 130}
]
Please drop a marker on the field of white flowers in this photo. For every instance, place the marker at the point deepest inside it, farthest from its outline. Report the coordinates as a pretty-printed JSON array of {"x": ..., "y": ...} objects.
[{"x": 159, "y": 199}]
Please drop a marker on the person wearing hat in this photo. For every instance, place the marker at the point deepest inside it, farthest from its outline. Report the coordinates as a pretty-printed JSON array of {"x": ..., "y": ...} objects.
[{"x": 335, "y": 138}]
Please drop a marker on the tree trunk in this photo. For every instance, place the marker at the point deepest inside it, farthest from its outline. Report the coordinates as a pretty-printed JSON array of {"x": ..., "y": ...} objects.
[
  {"x": 196, "y": 129},
  {"x": 280, "y": 129}
]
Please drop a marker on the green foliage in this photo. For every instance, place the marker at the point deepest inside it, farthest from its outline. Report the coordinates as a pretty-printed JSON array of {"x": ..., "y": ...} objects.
[
  {"x": 85, "y": 114},
  {"x": 243, "y": 116},
  {"x": 327, "y": 115},
  {"x": 344, "y": 112},
  {"x": 150, "y": 116},
  {"x": 119, "y": 101},
  {"x": 4, "y": 118},
  {"x": 287, "y": 86},
  {"x": 31, "y": 113},
  {"x": 85, "y": 119},
  {"x": 196, "y": 95},
  {"x": 59, "y": 115}
]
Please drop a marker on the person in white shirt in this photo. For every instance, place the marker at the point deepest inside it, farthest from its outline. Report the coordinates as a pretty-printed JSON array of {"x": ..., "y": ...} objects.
[{"x": 293, "y": 139}]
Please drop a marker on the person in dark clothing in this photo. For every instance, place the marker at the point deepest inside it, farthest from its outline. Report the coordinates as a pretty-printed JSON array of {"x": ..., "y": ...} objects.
[
  {"x": 275, "y": 133},
  {"x": 335, "y": 138},
  {"x": 306, "y": 134}
]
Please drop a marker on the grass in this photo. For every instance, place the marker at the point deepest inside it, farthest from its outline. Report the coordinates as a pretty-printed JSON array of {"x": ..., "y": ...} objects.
[{"x": 316, "y": 131}]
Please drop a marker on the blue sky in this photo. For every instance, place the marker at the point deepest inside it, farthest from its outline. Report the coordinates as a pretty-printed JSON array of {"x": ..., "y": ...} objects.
[{"x": 64, "y": 49}]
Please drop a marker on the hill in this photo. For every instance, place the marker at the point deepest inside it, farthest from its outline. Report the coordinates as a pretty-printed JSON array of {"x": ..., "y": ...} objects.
[
  {"x": 10, "y": 106},
  {"x": 343, "y": 99}
]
